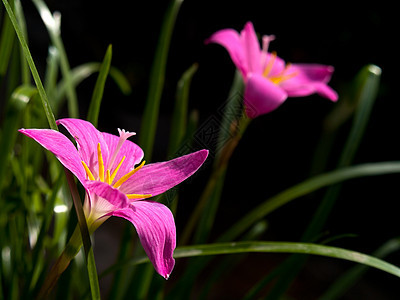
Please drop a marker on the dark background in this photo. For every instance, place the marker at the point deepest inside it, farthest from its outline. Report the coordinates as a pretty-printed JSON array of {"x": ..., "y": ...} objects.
[{"x": 277, "y": 149}]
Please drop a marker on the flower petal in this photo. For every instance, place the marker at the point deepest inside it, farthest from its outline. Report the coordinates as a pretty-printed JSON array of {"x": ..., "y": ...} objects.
[
  {"x": 231, "y": 40},
  {"x": 157, "y": 178},
  {"x": 309, "y": 79},
  {"x": 132, "y": 152},
  {"x": 112, "y": 195},
  {"x": 155, "y": 226},
  {"x": 251, "y": 48},
  {"x": 87, "y": 137},
  {"x": 262, "y": 96},
  {"x": 61, "y": 147}
]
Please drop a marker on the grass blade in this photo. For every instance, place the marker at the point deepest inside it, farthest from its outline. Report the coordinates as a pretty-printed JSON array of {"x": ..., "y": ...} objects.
[
  {"x": 35, "y": 74},
  {"x": 340, "y": 286},
  {"x": 304, "y": 188},
  {"x": 179, "y": 116},
  {"x": 80, "y": 73},
  {"x": 19, "y": 100},
  {"x": 94, "y": 108},
  {"x": 6, "y": 44},
  {"x": 52, "y": 23},
  {"x": 156, "y": 85},
  {"x": 368, "y": 84},
  {"x": 271, "y": 247}
]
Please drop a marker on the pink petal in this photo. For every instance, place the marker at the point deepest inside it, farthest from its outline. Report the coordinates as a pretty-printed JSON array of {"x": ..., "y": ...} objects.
[
  {"x": 262, "y": 96},
  {"x": 310, "y": 78},
  {"x": 87, "y": 137},
  {"x": 314, "y": 72},
  {"x": 113, "y": 196},
  {"x": 157, "y": 178},
  {"x": 155, "y": 226},
  {"x": 251, "y": 48},
  {"x": 132, "y": 152},
  {"x": 230, "y": 39},
  {"x": 61, "y": 147}
]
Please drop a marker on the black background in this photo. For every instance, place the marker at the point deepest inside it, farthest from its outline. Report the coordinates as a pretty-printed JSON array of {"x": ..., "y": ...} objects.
[{"x": 277, "y": 149}]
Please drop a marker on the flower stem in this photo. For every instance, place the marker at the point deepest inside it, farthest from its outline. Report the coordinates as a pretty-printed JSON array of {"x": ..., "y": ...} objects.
[
  {"x": 238, "y": 128},
  {"x": 71, "y": 250}
]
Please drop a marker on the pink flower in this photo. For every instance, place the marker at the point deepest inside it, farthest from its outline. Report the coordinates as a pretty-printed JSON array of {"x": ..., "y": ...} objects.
[
  {"x": 118, "y": 183},
  {"x": 268, "y": 80}
]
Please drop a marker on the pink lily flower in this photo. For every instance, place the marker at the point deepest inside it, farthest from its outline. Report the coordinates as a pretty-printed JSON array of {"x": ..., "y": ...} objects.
[
  {"x": 119, "y": 184},
  {"x": 268, "y": 80}
]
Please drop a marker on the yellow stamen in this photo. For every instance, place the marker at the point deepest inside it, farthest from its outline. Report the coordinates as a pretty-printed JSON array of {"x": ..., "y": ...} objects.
[
  {"x": 126, "y": 176},
  {"x": 116, "y": 170},
  {"x": 270, "y": 64},
  {"x": 138, "y": 196},
  {"x": 89, "y": 174},
  {"x": 101, "y": 163},
  {"x": 108, "y": 177},
  {"x": 283, "y": 77}
]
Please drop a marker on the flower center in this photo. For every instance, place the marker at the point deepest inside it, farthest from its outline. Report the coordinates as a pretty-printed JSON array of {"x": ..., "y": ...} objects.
[
  {"x": 284, "y": 74},
  {"x": 105, "y": 175}
]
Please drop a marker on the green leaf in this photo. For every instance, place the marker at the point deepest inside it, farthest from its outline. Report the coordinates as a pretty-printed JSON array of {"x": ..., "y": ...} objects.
[
  {"x": 179, "y": 116},
  {"x": 52, "y": 23},
  {"x": 368, "y": 83},
  {"x": 19, "y": 100},
  {"x": 94, "y": 108},
  {"x": 304, "y": 188},
  {"x": 19, "y": 15},
  {"x": 157, "y": 77},
  {"x": 80, "y": 73},
  {"x": 6, "y": 44},
  {"x": 271, "y": 247},
  {"x": 35, "y": 74},
  {"x": 232, "y": 113},
  {"x": 351, "y": 277}
]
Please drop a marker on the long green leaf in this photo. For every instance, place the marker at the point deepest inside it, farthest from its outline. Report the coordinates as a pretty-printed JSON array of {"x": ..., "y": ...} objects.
[
  {"x": 35, "y": 74},
  {"x": 19, "y": 99},
  {"x": 52, "y": 23},
  {"x": 179, "y": 116},
  {"x": 368, "y": 78},
  {"x": 80, "y": 73},
  {"x": 94, "y": 108},
  {"x": 351, "y": 277},
  {"x": 306, "y": 187},
  {"x": 272, "y": 247},
  {"x": 19, "y": 15},
  {"x": 157, "y": 77},
  {"x": 6, "y": 44}
]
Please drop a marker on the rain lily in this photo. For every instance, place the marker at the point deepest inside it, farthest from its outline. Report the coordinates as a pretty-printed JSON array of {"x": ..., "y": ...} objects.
[
  {"x": 118, "y": 183},
  {"x": 268, "y": 80}
]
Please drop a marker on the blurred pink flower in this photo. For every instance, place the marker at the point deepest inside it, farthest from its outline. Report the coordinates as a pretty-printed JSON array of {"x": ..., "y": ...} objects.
[
  {"x": 105, "y": 165},
  {"x": 268, "y": 80}
]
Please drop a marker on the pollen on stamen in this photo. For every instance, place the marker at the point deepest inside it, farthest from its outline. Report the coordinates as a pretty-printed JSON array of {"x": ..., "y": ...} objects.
[
  {"x": 116, "y": 170},
  {"x": 108, "y": 177},
  {"x": 128, "y": 175},
  {"x": 138, "y": 196},
  {"x": 100, "y": 162},
  {"x": 270, "y": 64},
  {"x": 88, "y": 172},
  {"x": 283, "y": 75}
]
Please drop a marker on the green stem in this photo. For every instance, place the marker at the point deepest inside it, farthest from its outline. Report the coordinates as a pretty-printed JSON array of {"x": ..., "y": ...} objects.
[
  {"x": 216, "y": 176},
  {"x": 70, "y": 251}
]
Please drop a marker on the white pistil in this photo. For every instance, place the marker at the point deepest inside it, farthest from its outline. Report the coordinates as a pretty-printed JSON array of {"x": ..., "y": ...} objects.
[{"x": 123, "y": 136}]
